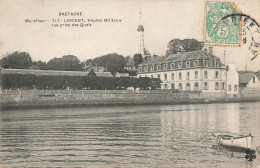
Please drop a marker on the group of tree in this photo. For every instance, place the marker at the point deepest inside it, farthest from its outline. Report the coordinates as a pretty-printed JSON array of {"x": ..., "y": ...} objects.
[
  {"x": 17, "y": 60},
  {"x": 66, "y": 63},
  {"x": 23, "y": 60},
  {"x": 111, "y": 62},
  {"x": 176, "y": 45},
  {"x": 138, "y": 59},
  {"x": 30, "y": 81}
]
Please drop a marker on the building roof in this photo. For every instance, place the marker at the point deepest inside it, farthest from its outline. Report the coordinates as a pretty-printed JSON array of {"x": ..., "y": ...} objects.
[
  {"x": 178, "y": 57},
  {"x": 52, "y": 72},
  {"x": 245, "y": 76},
  {"x": 154, "y": 60},
  {"x": 258, "y": 75},
  {"x": 104, "y": 74},
  {"x": 140, "y": 28}
]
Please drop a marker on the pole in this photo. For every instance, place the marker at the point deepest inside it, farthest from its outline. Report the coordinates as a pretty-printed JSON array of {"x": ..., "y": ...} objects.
[{"x": 226, "y": 93}]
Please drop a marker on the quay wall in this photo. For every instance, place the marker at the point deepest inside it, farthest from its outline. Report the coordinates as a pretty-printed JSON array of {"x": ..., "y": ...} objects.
[{"x": 82, "y": 98}]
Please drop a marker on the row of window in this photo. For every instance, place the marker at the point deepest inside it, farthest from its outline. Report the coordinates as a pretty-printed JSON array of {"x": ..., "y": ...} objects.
[
  {"x": 180, "y": 86},
  {"x": 196, "y": 86},
  {"x": 179, "y": 66},
  {"x": 196, "y": 73}
]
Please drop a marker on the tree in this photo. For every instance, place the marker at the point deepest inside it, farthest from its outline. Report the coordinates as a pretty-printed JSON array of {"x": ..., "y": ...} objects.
[
  {"x": 127, "y": 59},
  {"x": 54, "y": 64},
  {"x": 138, "y": 59},
  {"x": 111, "y": 62},
  {"x": 41, "y": 65},
  {"x": 155, "y": 83},
  {"x": 70, "y": 63},
  {"x": 177, "y": 45},
  {"x": 66, "y": 63},
  {"x": 92, "y": 73},
  {"x": 17, "y": 60},
  {"x": 144, "y": 83}
]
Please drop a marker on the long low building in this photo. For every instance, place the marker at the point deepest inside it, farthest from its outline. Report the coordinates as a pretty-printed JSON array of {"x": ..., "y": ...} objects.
[
  {"x": 52, "y": 72},
  {"x": 195, "y": 70}
]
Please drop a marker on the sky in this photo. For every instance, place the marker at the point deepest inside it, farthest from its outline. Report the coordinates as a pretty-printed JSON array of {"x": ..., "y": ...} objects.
[{"x": 163, "y": 20}]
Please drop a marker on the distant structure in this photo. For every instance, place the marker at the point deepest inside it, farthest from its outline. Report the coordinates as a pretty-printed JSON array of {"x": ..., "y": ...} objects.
[
  {"x": 52, "y": 72},
  {"x": 249, "y": 79},
  {"x": 130, "y": 65},
  {"x": 89, "y": 67},
  {"x": 34, "y": 67},
  {"x": 117, "y": 74},
  {"x": 140, "y": 38}
]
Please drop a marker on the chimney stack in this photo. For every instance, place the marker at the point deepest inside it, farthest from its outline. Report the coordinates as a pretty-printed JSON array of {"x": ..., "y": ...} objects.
[
  {"x": 155, "y": 56},
  {"x": 210, "y": 50}
]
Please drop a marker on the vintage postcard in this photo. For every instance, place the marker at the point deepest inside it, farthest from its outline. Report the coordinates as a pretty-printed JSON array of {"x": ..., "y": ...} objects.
[{"x": 130, "y": 83}]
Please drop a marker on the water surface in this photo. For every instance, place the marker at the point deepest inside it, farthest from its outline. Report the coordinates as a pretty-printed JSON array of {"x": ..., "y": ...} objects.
[{"x": 126, "y": 136}]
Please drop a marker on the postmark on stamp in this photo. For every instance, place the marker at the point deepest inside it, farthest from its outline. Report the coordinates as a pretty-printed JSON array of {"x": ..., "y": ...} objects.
[
  {"x": 250, "y": 33},
  {"x": 251, "y": 36},
  {"x": 225, "y": 33}
]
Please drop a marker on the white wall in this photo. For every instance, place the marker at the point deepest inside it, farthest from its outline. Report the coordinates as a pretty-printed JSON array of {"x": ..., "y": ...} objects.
[
  {"x": 232, "y": 80},
  {"x": 254, "y": 84},
  {"x": 211, "y": 80}
]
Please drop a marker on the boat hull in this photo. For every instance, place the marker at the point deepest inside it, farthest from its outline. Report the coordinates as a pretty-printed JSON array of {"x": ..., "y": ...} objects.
[{"x": 242, "y": 142}]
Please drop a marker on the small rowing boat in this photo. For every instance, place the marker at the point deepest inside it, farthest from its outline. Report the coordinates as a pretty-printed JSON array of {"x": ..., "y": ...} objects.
[{"x": 234, "y": 140}]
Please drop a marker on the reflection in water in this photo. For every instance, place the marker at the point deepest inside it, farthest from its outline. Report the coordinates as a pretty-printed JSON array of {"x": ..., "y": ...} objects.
[{"x": 141, "y": 136}]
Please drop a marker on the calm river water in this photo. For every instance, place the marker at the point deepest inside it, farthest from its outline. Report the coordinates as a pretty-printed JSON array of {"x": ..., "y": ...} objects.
[{"x": 129, "y": 136}]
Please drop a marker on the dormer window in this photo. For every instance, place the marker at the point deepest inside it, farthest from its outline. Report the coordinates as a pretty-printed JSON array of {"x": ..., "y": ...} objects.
[
  {"x": 158, "y": 67},
  {"x": 145, "y": 68},
  {"x": 179, "y": 65},
  {"x": 205, "y": 63},
  {"x": 187, "y": 64},
  {"x": 196, "y": 63},
  {"x": 152, "y": 68},
  {"x": 140, "y": 69},
  {"x": 172, "y": 65},
  {"x": 165, "y": 66},
  {"x": 216, "y": 63}
]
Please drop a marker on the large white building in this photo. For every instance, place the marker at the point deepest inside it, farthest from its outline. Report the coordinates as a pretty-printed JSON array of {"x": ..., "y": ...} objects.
[{"x": 195, "y": 70}]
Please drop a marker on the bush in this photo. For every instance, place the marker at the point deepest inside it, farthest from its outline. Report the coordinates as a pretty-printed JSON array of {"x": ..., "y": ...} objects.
[{"x": 29, "y": 81}]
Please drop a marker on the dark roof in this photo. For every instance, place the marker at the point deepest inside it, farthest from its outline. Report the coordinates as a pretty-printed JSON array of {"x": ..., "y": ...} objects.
[
  {"x": 245, "y": 76},
  {"x": 154, "y": 60},
  {"x": 258, "y": 75},
  {"x": 52, "y": 72},
  {"x": 178, "y": 57},
  {"x": 140, "y": 28}
]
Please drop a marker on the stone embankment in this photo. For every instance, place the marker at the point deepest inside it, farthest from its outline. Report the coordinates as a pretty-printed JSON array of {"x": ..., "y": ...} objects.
[{"x": 27, "y": 99}]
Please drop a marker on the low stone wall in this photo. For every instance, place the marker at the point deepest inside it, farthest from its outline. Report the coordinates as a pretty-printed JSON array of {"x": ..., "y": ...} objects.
[{"x": 103, "y": 98}]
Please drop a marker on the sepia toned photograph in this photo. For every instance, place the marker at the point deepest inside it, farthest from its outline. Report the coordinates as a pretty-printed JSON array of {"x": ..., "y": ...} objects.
[{"x": 130, "y": 83}]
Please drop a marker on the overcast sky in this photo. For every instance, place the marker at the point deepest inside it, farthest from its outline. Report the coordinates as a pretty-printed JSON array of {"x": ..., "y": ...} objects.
[{"x": 162, "y": 21}]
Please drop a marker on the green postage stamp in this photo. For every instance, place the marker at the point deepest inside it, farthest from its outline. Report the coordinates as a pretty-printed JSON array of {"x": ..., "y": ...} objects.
[{"x": 224, "y": 32}]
